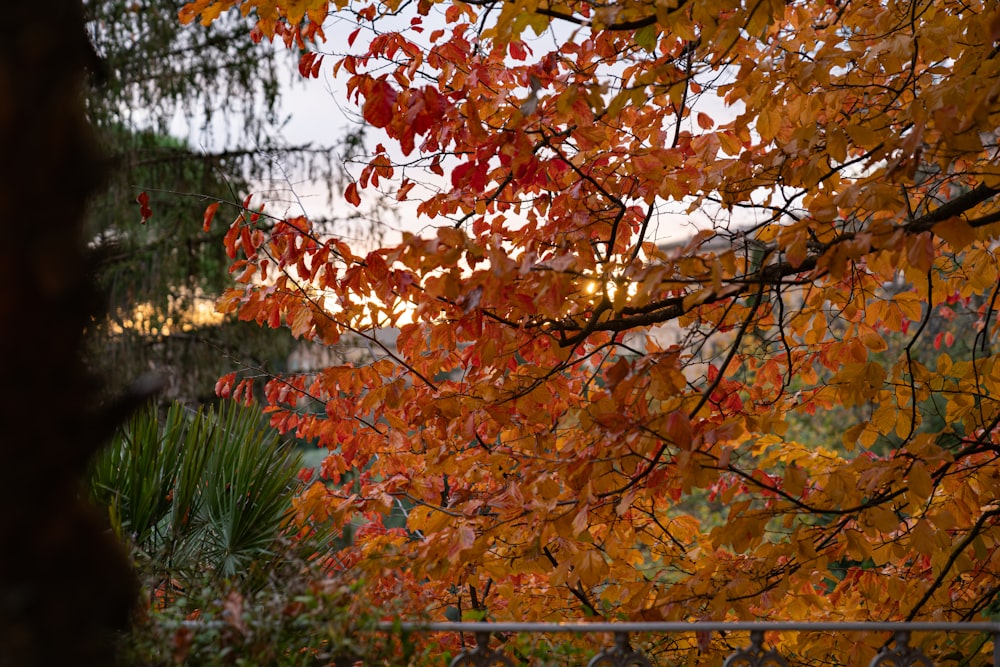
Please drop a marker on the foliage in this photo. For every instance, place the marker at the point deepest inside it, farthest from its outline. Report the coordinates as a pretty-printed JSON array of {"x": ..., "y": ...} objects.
[
  {"x": 155, "y": 73},
  {"x": 297, "y": 621},
  {"x": 563, "y": 386},
  {"x": 158, "y": 78},
  {"x": 201, "y": 497},
  {"x": 154, "y": 70},
  {"x": 160, "y": 279}
]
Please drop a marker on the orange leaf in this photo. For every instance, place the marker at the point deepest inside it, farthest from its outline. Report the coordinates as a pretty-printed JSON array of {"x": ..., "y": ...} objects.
[
  {"x": 956, "y": 232},
  {"x": 920, "y": 252},
  {"x": 209, "y": 214},
  {"x": 351, "y": 194}
]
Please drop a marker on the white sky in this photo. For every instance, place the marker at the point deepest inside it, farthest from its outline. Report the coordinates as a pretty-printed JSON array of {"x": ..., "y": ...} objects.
[{"x": 318, "y": 112}]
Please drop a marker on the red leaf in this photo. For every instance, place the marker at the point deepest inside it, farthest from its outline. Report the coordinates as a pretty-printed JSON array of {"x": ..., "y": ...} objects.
[
  {"x": 305, "y": 63},
  {"x": 404, "y": 189},
  {"x": 229, "y": 241},
  {"x": 379, "y": 103},
  {"x": 945, "y": 337},
  {"x": 224, "y": 387},
  {"x": 246, "y": 241},
  {"x": 472, "y": 174},
  {"x": 209, "y": 214},
  {"x": 351, "y": 194},
  {"x": 309, "y": 64},
  {"x": 460, "y": 174},
  {"x": 144, "y": 209}
]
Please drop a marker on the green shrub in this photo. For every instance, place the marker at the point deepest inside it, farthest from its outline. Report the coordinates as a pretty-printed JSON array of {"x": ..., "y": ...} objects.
[
  {"x": 202, "y": 501},
  {"x": 201, "y": 495},
  {"x": 297, "y": 622}
]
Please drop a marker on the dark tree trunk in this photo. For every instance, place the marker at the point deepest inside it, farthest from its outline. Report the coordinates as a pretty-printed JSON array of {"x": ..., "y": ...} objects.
[{"x": 65, "y": 586}]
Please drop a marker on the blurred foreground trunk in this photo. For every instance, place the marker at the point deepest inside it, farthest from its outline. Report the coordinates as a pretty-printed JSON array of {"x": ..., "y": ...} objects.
[{"x": 64, "y": 584}]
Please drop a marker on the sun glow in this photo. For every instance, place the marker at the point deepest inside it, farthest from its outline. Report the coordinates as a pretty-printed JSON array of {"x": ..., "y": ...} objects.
[{"x": 197, "y": 311}]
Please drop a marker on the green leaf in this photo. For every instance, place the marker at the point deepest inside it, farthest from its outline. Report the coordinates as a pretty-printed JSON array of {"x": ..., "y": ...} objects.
[{"x": 647, "y": 37}]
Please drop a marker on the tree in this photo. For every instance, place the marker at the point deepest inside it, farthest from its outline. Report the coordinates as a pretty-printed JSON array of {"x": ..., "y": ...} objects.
[
  {"x": 562, "y": 383},
  {"x": 155, "y": 73},
  {"x": 161, "y": 277},
  {"x": 159, "y": 80}
]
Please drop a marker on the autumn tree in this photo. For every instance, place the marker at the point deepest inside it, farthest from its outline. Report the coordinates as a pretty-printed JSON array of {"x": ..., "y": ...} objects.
[{"x": 563, "y": 383}]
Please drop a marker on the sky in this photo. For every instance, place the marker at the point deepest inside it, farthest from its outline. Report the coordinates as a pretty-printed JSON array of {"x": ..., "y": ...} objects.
[{"x": 319, "y": 112}]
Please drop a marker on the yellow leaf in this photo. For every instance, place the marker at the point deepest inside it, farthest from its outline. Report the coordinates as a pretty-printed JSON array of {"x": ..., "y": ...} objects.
[
  {"x": 852, "y": 436},
  {"x": 863, "y": 137},
  {"x": 695, "y": 298},
  {"x": 919, "y": 480},
  {"x": 836, "y": 144},
  {"x": 884, "y": 519},
  {"x": 795, "y": 480},
  {"x": 590, "y": 567},
  {"x": 956, "y": 232},
  {"x": 857, "y": 546},
  {"x": 729, "y": 143},
  {"x": 871, "y": 338},
  {"x": 944, "y": 519},
  {"x": 922, "y": 537},
  {"x": 768, "y": 123}
]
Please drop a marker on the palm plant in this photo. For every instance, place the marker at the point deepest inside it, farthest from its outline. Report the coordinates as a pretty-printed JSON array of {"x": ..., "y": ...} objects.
[
  {"x": 203, "y": 501},
  {"x": 199, "y": 495}
]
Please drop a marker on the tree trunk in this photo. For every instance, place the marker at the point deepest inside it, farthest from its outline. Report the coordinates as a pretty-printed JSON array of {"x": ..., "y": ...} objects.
[{"x": 65, "y": 585}]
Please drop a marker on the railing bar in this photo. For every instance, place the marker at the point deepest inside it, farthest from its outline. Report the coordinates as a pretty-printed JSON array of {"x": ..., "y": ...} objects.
[{"x": 704, "y": 626}]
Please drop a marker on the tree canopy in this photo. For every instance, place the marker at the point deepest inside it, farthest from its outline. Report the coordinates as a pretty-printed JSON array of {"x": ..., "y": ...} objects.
[{"x": 567, "y": 395}]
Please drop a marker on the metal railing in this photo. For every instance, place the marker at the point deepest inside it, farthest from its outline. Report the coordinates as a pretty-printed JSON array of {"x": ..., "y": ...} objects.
[{"x": 895, "y": 652}]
